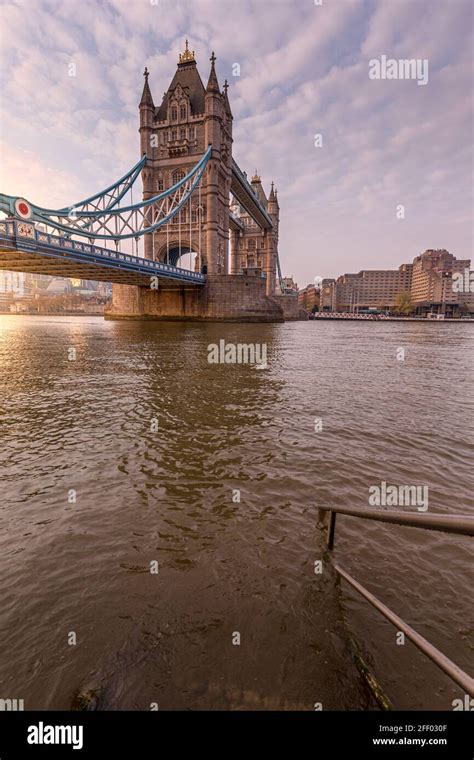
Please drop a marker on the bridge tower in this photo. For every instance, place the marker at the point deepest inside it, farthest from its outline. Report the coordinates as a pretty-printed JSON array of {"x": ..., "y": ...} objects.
[
  {"x": 174, "y": 136},
  {"x": 255, "y": 248}
]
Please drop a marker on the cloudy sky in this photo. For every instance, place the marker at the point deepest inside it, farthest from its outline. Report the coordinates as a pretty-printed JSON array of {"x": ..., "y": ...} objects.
[{"x": 304, "y": 70}]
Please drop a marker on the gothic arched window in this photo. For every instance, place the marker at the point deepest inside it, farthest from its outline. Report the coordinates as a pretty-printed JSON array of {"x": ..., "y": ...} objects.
[
  {"x": 177, "y": 176},
  {"x": 182, "y": 112},
  {"x": 174, "y": 113}
]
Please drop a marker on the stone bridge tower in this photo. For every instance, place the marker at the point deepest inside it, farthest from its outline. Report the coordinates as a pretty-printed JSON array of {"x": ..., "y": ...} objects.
[
  {"x": 174, "y": 136},
  {"x": 253, "y": 248}
]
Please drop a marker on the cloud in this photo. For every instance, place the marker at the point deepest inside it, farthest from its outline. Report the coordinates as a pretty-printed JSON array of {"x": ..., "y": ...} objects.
[{"x": 304, "y": 70}]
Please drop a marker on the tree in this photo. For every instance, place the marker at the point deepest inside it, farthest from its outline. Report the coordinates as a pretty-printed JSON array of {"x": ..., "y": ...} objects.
[{"x": 403, "y": 303}]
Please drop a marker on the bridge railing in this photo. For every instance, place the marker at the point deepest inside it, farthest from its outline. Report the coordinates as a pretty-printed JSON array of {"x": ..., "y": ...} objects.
[
  {"x": 458, "y": 524},
  {"x": 27, "y": 237}
]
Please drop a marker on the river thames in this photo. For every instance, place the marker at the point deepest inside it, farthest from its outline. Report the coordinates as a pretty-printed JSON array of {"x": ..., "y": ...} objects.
[{"x": 133, "y": 452}]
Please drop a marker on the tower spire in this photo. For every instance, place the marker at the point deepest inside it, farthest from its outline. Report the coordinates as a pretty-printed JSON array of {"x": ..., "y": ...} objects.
[
  {"x": 146, "y": 99},
  {"x": 213, "y": 84},
  {"x": 225, "y": 98}
]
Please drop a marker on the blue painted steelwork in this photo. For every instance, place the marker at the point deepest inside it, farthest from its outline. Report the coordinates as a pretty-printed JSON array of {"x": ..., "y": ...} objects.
[
  {"x": 7, "y": 202},
  {"x": 128, "y": 180},
  {"x": 140, "y": 218},
  {"x": 16, "y": 235}
]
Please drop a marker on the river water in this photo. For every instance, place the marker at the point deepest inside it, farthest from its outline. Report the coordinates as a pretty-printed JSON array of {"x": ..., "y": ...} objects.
[{"x": 133, "y": 457}]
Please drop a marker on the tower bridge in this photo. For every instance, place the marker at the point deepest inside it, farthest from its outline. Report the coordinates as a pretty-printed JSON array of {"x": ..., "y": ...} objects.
[{"x": 201, "y": 230}]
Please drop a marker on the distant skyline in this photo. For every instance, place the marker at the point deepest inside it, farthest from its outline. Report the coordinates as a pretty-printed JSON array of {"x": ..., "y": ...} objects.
[{"x": 304, "y": 71}]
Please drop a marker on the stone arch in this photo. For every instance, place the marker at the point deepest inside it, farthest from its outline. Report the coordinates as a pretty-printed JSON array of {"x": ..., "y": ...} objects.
[{"x": 185, "y": 255}]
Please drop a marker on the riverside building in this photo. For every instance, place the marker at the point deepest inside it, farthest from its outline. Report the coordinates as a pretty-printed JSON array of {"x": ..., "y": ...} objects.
[{"x": 427, "y": 282}]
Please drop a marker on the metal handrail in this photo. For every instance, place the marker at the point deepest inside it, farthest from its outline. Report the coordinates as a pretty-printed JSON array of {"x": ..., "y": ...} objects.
[
  {"x": 460, "y": 524},
  {"x": 450, "y": 668}
]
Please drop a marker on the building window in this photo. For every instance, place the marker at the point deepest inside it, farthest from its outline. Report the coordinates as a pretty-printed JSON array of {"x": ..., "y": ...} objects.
[
  {"x": 182, "y": 112},
  {"x": 177, "y": 176},
  {"x": 173, "y": 134},
  {"x": 160, "y": 185},
  {"x": 182, "y": 133},
  {"x": 174, "y": 114},
  {"x": 192, "y": 133}
]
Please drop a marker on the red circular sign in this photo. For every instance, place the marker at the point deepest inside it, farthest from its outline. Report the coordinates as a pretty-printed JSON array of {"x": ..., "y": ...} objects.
[{"x": 22, "y": 208}]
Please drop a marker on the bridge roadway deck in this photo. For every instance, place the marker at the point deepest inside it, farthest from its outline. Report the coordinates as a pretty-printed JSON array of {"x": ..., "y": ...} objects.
[{"x": 23, "y": 248}]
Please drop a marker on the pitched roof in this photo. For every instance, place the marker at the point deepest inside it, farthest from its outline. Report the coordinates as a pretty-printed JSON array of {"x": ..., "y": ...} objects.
[{"x": 188, "y": 77}]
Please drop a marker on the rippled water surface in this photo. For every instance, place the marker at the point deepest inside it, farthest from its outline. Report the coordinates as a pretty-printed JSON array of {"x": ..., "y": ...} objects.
[{"x": 227, "y": 567}]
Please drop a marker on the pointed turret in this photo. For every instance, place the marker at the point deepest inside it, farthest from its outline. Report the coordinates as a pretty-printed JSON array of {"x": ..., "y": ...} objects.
[
  {"x": 258, "y": 189},
  {"x": 214, "y": 103},
  {"x": 272, "y": 201},
  {"x": 213, "y": 84},
  {"x": 147, "y": 112},
  {"x": 225, "y": 98},
  {"x": 147, "y": 99}
]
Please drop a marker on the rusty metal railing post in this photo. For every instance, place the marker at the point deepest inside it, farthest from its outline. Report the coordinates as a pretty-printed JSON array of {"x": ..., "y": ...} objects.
[
  {"x": 331, "y": 530},
  {"x": 460, "y": 524}
]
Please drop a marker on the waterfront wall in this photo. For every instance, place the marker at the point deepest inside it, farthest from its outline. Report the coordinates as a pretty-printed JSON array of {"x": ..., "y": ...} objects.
[{"x": 292, "y": 310}]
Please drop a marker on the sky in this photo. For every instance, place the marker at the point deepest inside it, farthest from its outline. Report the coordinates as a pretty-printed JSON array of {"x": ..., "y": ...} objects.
[{"x": 390, "y": 176}]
